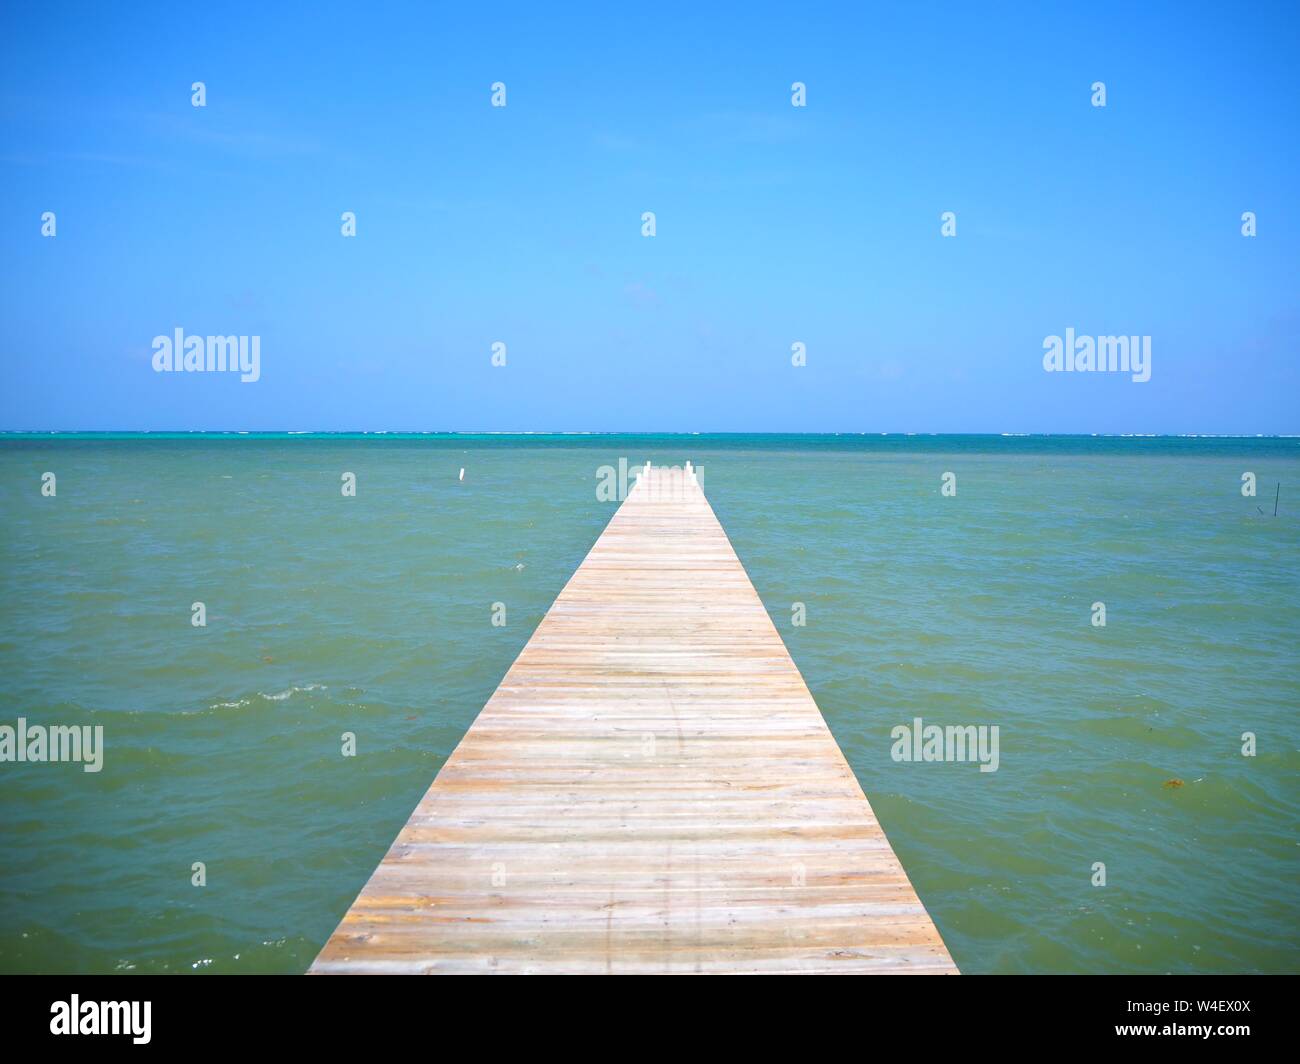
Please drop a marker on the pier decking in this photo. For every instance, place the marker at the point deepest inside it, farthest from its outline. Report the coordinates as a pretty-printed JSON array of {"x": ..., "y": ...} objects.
[{"x": 651, "y": 789}]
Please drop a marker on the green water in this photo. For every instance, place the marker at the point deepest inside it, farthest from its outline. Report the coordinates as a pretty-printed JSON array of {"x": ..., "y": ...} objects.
[{"x": 371, "y": 615}]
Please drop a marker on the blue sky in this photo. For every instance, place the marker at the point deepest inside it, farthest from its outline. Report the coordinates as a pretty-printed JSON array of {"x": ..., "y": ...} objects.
[{"x": 775, "y": 224}]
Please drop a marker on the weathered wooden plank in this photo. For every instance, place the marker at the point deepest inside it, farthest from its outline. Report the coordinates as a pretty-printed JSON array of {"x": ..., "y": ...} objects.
[{"x": 651, "y": 788}]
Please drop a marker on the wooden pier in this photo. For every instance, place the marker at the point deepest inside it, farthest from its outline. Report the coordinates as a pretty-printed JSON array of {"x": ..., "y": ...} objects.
[{"x": 651, "y": 789}]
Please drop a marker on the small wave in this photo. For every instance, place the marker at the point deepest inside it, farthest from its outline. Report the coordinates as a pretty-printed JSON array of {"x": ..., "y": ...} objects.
[
  {"x": 281, "y": 696},
  {"x": 278, "y": 696}
]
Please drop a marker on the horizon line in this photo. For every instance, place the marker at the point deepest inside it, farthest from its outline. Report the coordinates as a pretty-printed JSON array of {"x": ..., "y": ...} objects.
[{"x": 678, "y": 432}]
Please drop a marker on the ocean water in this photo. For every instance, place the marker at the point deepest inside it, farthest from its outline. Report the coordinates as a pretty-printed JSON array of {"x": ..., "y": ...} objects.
[{"x": 371, "y": 615}]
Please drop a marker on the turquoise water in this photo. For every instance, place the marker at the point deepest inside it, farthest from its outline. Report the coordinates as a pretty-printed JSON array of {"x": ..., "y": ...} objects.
[{"x": 371, "y": 614}]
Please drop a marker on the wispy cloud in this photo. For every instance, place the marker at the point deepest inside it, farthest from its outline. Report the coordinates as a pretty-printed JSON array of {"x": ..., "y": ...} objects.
[
  {"x": 641, "y": 295},
  {"x": 751, "y": 127},
  {"x": 235, "y": 138}
]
